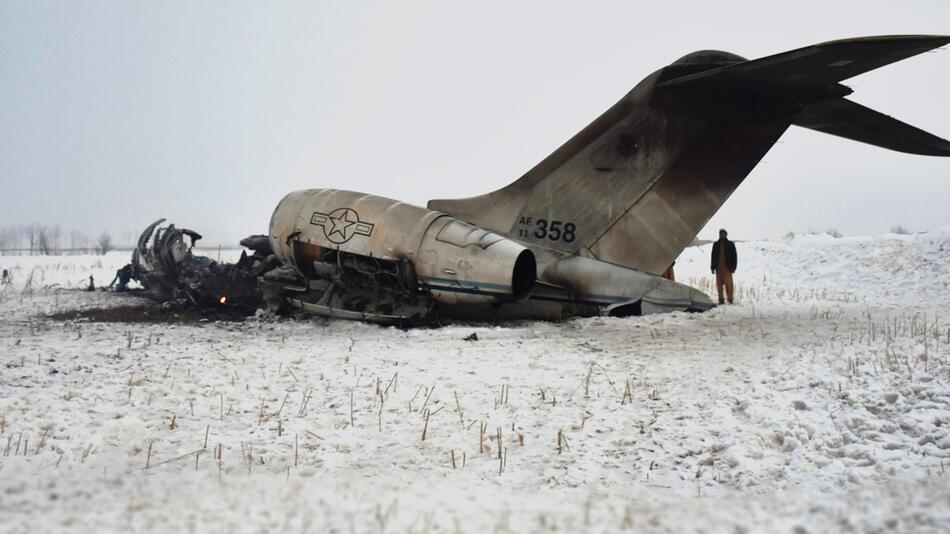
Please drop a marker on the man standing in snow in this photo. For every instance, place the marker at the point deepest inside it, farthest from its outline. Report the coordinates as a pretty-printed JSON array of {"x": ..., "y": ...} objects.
[{"x": 723, "y": 264}]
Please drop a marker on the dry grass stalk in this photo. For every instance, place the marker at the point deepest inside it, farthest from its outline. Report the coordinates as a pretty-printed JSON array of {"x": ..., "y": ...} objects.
[
  {"x": 425, "y": 427},
  {"x": 307, "y": 395},
  {"x": 458, "y": 408},
  {"x": 86, "y": 453},
  {"x": 428, "y": 396},
  {"x": 414, "y": 398},
  {"x": 282, "y": 404},
  {"x": 380, "y": 421},
  {"x": 498, "y": 437},
  {"x": 186, "y": 455},
  {"x": 502, "y": 395},
  {"x": 392, "y": 383},
  {"x": 627, "y": 394},
  {"x": 42, "y": 440},
  {"x": 590, "y": 371}
]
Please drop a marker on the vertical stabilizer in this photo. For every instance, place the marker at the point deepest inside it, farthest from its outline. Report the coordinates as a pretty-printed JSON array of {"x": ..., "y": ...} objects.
[{"x": 635, "y": 186}]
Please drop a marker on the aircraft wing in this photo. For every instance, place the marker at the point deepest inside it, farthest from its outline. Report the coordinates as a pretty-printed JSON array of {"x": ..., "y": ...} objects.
[{"x": 812, "y": 66}]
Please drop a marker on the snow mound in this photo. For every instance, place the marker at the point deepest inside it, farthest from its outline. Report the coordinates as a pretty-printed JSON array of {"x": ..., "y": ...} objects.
[{"x": 912, "y": 268}]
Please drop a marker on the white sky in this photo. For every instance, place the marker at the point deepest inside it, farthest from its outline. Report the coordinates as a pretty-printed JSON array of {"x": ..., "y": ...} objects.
[{"x": 113, "y": 114}]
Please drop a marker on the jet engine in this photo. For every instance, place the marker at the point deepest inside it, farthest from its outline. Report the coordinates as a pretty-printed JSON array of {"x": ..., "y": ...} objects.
[{"x": 351, "y": 255}]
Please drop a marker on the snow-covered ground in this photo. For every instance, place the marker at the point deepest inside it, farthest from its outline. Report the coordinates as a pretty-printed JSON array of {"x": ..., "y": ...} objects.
[{"x": 820, "y": 402}]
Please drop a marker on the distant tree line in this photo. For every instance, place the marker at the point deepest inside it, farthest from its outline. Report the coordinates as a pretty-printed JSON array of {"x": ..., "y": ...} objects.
[{"x": 51, "y": 240}]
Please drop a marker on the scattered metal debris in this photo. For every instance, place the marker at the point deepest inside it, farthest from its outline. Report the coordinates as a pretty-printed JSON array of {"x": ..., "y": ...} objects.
[{"x": 165, "y": 264}]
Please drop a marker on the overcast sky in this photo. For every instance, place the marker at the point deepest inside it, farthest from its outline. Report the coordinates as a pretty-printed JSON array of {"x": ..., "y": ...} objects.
[{"x": 113, "y": 114}]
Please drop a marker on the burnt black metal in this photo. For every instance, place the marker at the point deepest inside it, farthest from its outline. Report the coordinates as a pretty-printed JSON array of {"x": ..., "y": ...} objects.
[{"x": 165, "y": 264}]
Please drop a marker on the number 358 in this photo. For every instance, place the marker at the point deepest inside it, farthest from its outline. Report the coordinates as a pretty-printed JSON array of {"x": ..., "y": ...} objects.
[{"x": 555, "y": 230}]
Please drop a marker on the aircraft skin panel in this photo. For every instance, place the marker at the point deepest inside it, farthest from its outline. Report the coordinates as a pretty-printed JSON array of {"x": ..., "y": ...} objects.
[
  {"x": 568, "y": 200},
  {"x": 571, "y": 208},
  {"x": 665, "y": 220},
  {"x": 498, "y": 210}
]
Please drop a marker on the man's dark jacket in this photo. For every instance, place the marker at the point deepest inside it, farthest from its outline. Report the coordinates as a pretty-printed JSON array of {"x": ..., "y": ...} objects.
[{"x": 731, "y": 258}]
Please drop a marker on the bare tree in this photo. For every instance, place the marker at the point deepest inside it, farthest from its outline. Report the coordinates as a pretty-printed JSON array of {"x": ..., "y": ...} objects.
[
  {"x": 10, "y": 237},
  {"x": 54, "y": 235},
  {"x": 15, "y": 236},
  {"x": 6, "y": 239},
  {"x": 42, "y": 239},
  {"x": 32, "y": 234},
  {"x": 105, "y": 243}
]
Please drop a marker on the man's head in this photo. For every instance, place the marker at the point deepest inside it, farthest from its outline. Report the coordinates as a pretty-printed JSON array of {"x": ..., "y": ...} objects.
[{"x": 723, "y": 233}]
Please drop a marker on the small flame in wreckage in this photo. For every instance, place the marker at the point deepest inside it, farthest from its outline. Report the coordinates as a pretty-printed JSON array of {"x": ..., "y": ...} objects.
[{"x": 223, "y": 300}]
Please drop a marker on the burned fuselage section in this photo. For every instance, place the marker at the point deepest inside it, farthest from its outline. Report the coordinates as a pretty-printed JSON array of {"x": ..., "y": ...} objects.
[
  {"x": 165, "y": 264},
  {"x": 356, "y": 256}
]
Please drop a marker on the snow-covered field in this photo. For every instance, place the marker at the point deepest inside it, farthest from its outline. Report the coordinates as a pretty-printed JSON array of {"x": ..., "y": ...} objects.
[{"x": 820, "y": 402}]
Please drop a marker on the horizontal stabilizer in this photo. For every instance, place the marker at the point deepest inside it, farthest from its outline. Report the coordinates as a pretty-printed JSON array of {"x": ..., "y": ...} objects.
[
  {"x": 844, "y": 118},
  {"x": 818, "y": 65}
]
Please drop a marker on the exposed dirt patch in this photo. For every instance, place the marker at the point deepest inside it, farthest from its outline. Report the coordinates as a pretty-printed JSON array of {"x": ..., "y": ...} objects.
[{"x": 141, "y": 313}]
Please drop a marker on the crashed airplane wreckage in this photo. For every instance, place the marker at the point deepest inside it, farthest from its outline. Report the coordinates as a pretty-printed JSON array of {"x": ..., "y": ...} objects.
[
  {"x": 164, "y": 263},
  {"x": 590, "y": 228}
]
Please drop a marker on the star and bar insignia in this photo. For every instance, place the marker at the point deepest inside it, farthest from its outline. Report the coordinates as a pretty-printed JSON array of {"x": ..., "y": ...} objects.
[{"x": 341, "y": 224}]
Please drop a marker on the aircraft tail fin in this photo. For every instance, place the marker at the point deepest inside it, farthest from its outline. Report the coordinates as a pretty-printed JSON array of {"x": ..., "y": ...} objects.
[{"x": 635, "y": 186}]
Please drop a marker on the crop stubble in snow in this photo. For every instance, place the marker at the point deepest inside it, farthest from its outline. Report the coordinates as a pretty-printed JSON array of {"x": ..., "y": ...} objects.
[{"x": 819, "y": 402}]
